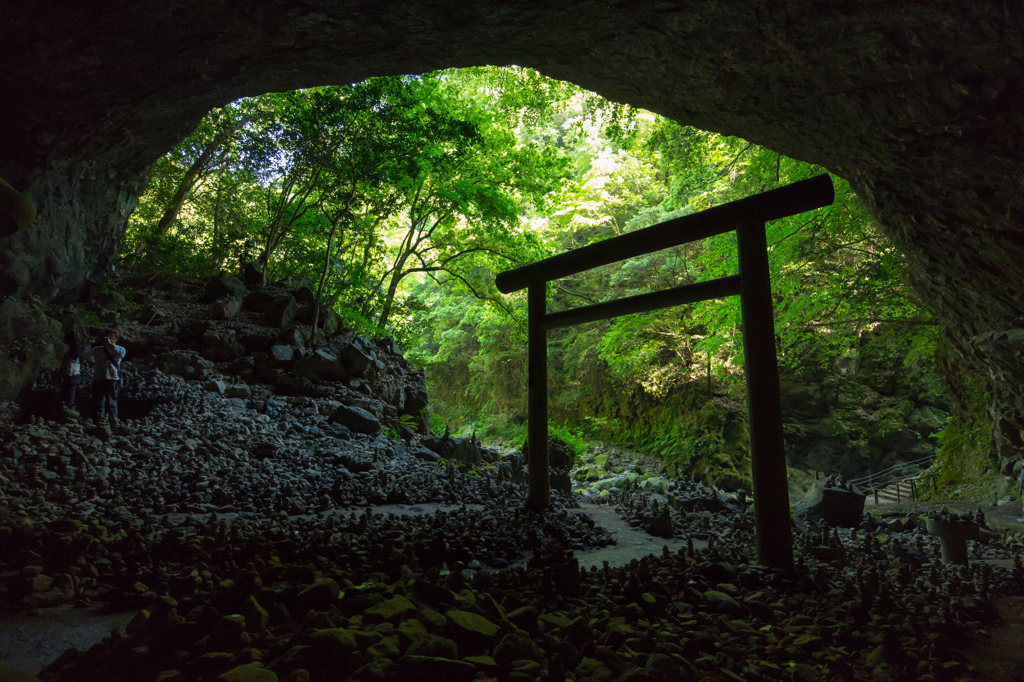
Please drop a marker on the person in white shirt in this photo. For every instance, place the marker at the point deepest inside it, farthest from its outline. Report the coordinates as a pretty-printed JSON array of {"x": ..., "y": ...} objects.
[
  {"x": 106, "y": 379},
  {"x": 70, "y": 366}
]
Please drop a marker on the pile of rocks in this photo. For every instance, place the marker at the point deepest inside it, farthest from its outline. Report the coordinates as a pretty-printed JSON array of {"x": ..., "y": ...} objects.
[
  {"x": 233, "y": 338},
  {"x": 608, "y": 471},
  {"x": 241, "y": 526},
  {"x": 684, "y": 615},
  {"x": 269, "y": 460}
]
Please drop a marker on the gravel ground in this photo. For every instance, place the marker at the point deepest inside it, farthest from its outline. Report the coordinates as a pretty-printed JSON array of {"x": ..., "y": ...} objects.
[{"x": 254, "y": 539}]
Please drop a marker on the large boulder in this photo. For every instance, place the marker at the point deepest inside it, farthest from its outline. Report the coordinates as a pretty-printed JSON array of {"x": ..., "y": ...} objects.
[
  {"x": 240, "y": 390},
  {"x": 223, "y": 285},
  {"x": 282, "y": 311},
  {"x": 255, "y": 343},
  {"x": 185, "y": 363},
  {"x": 561, "y": 482},
  {"x": 226, "y": 309},
  {"x": 356, "y": 418},
  {"x": 328, "y": 319},
  {"x": 283, "y": 356},
  {"x": 221, "y": 347},
  {"x": 466, "y": 452},
  {"x": 252, "y": 276},
  {"x": 293, "y": 336},
  {"x": 176, "y": 361},
  {"x": 462, "y": 450},
  {"x": 320, "y": 366},
  {"x": 259, "y": 301},
  {"x": 304, "y": 296},
  {"x": 416, "y": 399},
  {"x": 357, "y": 354},
  {"x": 836, "y": 506},
  {"x": 265, "y": 368},
  {"x": 560, "y": 454}
]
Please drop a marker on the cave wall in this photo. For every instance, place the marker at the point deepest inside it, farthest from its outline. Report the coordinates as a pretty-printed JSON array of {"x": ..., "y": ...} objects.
[{"x": 917, "y": 104}]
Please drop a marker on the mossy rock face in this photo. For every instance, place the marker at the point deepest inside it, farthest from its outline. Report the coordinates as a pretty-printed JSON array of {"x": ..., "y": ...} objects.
[
  {"x": 894, "y": 435},
  {"x": 829, "y": 426},
  {"x": 928, "y": 421},
  {"x": 731, "y": 481},
  {"x": 802, "y": 401},
  {"x": 337, "y": 641},
  {"x": 393, "y": 610},
  {"x": 320, "y": 594},
  {"x": 593, "y": 670},
  {"x": 434, "y": 647},
  {"x": 473, "y": 633},
  {"x": 735, "y": 438},
  {"x": 251, "y": 672},
  {"x": 40, "y": 345},
  {"x": 429, "y": 668}
]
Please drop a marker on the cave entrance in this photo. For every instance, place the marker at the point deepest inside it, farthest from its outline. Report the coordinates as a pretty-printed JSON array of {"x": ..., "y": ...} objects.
[{"x": 752, "y": 284}]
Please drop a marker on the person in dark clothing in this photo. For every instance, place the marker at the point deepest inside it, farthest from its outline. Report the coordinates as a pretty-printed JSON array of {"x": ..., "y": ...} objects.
[
  {"x": 106, "y": 378},
  {"x": 71, "y": 366}
]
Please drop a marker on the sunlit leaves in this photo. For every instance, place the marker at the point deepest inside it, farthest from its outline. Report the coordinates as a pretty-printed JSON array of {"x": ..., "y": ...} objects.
[{"x": 834, "y": 275}]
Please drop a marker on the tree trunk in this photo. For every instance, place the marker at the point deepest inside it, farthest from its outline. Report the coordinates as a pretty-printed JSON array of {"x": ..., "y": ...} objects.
[
  {"x": 188, "y": 182},
  {"x": 216, "y": 226},
  {"x": 320, "y": 286},
  {"x": 709, "y": 373},
  {"x": 185, "y": 186},
  {"x": 389, "y": 299}
]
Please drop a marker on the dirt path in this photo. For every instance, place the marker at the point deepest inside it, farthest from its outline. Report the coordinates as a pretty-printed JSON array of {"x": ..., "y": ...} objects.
[
  {"x": 1004, "y": 518},
  {"x": 631, "y": 543},
  {"x": 28, "y": 643}
]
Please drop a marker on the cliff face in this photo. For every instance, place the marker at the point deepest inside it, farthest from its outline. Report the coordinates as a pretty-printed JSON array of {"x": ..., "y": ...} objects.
[{"x": 918, "y": 106}]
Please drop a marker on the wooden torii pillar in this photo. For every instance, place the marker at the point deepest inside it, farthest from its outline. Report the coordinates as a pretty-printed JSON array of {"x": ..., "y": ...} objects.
[{"x": 753, "y": 285}]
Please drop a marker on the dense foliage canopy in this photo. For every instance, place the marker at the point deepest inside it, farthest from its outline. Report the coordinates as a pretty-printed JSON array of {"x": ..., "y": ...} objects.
[{"x": 400, "y": 199}]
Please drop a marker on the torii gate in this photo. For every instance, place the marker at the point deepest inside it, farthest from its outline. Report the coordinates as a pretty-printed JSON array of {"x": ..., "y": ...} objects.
[{"x": 752, "y": 284}]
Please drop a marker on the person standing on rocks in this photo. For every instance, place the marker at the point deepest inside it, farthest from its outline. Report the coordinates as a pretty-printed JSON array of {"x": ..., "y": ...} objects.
[
  {"x": 71, "y": 366},
  {"x": 106, "y": 379}
]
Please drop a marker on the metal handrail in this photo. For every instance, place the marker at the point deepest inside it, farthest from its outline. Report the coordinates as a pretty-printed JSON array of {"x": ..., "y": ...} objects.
[
  {"x": 870, "y": 479},
  {"x": 899, "y": 480}
]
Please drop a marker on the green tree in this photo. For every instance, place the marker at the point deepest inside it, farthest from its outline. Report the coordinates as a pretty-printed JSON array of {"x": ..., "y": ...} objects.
[
  {"x": 461, "y": 211},
  {"x": 178, "y": 176}
]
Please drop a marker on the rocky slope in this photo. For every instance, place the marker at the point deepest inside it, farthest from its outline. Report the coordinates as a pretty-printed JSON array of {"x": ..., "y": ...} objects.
[
  {"x": 855, "y": 415},
  {"x": 232, "y": 506}
]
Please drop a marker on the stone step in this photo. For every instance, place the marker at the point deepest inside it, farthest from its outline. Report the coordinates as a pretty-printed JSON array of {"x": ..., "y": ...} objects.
[{"x": 888, "y": 494}]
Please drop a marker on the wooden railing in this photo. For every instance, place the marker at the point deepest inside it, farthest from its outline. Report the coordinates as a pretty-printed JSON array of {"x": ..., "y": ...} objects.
[{"x": 753, "y": 285}]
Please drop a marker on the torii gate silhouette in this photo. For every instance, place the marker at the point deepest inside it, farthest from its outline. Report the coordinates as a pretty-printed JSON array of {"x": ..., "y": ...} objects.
[{"x": 753, "y": 285}]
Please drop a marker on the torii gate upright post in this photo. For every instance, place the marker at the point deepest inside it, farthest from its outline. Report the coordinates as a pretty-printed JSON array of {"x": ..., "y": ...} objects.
[
  {"x": 537, "y": 396},
  {"x": 764, "y": 406}
]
